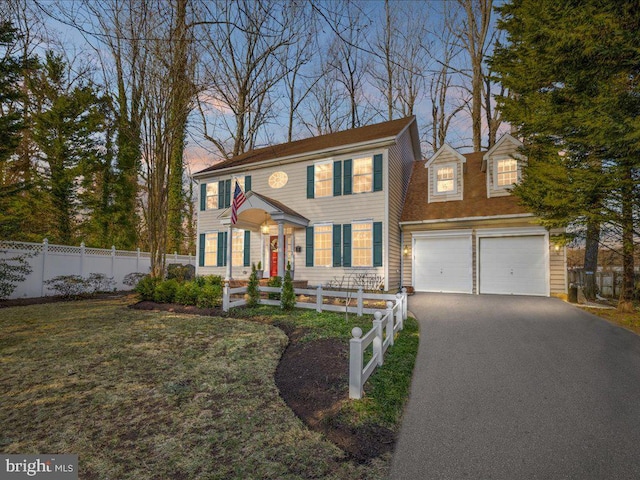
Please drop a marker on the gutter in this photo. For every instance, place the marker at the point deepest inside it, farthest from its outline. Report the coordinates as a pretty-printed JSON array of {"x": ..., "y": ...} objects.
[{"x": 466, "y": 219}]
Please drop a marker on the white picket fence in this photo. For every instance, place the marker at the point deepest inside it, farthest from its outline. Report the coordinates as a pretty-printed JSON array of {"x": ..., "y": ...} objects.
[
  {"x": 48, "y": 261},
  {"x": 358, "y": 297},
  {"x": 381, "y": 336}
]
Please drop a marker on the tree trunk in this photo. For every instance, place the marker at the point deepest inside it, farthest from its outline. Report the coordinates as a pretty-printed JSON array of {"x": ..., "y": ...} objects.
[
  {"x": 591, "y": 260},
  {"x": 628, "y": 281}
]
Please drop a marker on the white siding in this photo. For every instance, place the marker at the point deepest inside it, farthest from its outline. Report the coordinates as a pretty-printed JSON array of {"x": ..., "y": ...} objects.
[{"x": 446, "y": 157}]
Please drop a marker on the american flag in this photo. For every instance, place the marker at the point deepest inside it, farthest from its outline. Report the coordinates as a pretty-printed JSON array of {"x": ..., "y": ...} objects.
[{"x": 238, "y": 200}]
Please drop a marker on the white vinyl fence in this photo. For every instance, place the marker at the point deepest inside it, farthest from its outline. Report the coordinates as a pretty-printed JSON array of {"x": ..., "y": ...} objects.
[
  {"x": 381, "y": 336},
  {"x": 48, "y": 261}
]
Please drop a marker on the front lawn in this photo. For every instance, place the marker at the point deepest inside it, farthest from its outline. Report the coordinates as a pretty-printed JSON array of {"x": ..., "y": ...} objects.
[
  {"x": 628, "y": 320},
  {"x": 145, "y": 394}
]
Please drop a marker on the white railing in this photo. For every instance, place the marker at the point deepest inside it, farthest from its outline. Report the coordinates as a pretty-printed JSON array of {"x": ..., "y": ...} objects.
[
  {"x": 320, "y": 294},
  {"x": 48, "y": 261},
  {"x": 381, "y": 337}
]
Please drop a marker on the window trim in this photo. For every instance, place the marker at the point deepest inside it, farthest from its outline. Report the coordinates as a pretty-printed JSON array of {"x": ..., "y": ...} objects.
[
  {"x": 496, "y": 160},
  {"x": 329, "y": 248},
  {"x": 436, "y": 168},
  {"x": 354, "y": 249},
  {"x": 329, "y": 180}
]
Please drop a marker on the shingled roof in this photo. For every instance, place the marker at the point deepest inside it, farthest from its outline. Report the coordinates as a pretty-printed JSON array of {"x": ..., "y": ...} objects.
[
  {"x": 369, "y": 133},
  {"x": 474, "y": 204}
]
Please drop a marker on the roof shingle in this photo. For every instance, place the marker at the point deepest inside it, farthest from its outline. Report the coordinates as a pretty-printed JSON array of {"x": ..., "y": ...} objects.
[
  {"x": 474, "y": 204},
  {"x": 321, "y": 142}
]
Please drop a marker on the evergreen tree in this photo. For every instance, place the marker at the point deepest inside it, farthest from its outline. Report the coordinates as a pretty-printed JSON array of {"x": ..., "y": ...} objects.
[
  {"x": 572, "y": 69},
  {"x": 252, "y": 288},
  {"x": 66, "y": 133},
  {"x": 288, "y": 300}
]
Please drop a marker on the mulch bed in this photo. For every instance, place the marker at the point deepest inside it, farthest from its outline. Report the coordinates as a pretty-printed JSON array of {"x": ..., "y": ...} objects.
[{"x": 312, "y": 377}]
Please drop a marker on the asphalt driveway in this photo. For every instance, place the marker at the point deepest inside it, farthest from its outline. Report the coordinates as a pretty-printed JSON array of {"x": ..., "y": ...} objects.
[{"x": 519, "y": 388}]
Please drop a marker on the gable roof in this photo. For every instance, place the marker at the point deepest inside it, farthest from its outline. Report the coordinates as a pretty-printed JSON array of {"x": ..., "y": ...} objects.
[
  {"x": 446, "y": 148},
  {"x": 474, "y": 204},
  {"x": 506, "y": 137},
  {"x": 380, "y": 131}
]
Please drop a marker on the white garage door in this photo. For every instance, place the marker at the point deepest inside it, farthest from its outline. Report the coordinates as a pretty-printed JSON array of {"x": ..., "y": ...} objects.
[
  {"x": 514, "y": 265},
  {"x": 443, "y": 264}
]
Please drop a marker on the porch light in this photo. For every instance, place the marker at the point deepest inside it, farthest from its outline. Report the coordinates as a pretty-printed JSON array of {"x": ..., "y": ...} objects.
[
  {"x": 405, "y": 251},
  {"x": 264, "y": 228}
]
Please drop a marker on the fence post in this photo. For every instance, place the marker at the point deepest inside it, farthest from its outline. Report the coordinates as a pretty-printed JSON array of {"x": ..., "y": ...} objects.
[
  {"x": 45, "y": 250},
  {"x": 389, "y": 318},
  {"x": 400, "y": 310},
  {"x": 113, "y": 259},
  {"x": 319, "y": 300},
  {"x": 378, "y": 341},
  {"x": 355, "y": 363},
  {"x": 360, "y": 302},
  {"x": 225, "y": 297},
  {"x": 405, "y": 303},
  {"x": 82, "y": 259}
]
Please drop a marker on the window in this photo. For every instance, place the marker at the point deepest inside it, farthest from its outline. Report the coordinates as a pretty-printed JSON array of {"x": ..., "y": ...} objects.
[
  {"x": 506, "y": 172},
  {"x": 211, "y": 249},
  {"x": 445, "y": 179},
  {"x": 238, "y": 247},
  {"x": 212, "y": 195},
  {"x": 362, "y": 175},
  {"x": 362, "y": 244},
  {"x": 323, "y": 179},
  {"x": 322, "y": 238}
]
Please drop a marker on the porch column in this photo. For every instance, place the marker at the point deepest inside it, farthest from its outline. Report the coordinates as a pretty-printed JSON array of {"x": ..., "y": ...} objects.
[
  {"x": 229, "y": 252},
  {"x": 282, "y": 249}
]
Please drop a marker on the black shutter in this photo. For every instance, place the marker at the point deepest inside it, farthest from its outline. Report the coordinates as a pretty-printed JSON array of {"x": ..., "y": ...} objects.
[
  {"x": 346, "y": 245},
  {"x": 377, "y": 244},
  {"x": 337, "y": 245},
  {"x": 247, "y": 183},
  {"x": 247, "y": 247},
  {"x": 203, "y": 196},
  {"x": 309, "y": 247},
  {"x": 203, "y": 239},
  {"x": 377, "y": 172},
  {"x": 310, "y": 181},
  {"x": 348, "y": 182},
  {"x": 337, "y": 179}
]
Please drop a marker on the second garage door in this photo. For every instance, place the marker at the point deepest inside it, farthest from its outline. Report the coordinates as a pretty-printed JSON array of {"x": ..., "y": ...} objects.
[
  {"x": 443, "y": 264},
  {"x": 514, "y": 265}
]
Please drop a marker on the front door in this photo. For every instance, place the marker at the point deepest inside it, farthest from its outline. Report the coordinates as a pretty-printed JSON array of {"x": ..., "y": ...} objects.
[{"x": 273, "y": 248}]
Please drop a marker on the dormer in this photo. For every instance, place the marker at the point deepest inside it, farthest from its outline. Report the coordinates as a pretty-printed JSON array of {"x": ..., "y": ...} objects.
[
  {"x": 446, "y": 169},
  {"x": 503, "y": 166}
]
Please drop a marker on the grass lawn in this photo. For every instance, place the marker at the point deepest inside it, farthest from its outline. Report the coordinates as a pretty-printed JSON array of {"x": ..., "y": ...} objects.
[
  {"x": 630, "y": 321},
  {"x": 145, "y": 394}
]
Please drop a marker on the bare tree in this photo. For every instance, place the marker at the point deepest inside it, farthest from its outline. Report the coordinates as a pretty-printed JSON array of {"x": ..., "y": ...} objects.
[{"x": 241, "y": 70}]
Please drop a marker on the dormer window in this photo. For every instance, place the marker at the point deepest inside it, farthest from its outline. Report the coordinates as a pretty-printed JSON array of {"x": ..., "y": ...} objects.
[
  {"x": 446, "y": 179},
  {"x": 506, "y": 172}
]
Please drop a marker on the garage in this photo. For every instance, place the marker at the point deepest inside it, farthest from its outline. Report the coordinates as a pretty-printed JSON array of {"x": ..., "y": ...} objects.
[
  {"x": 514, "y": 265},
  {"x": 443, "y": 263}
]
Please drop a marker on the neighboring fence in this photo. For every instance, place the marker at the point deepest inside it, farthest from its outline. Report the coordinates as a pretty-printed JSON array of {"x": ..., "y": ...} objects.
[
  {"x": 609, "y": 281},
  {"x": 48, "y": 261}
]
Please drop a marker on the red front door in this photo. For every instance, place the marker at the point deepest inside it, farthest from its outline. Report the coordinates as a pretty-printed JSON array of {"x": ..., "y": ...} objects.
[{"x": 273, "y": 248}]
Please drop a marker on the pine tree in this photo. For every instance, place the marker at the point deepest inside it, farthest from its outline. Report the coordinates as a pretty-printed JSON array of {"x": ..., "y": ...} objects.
[
  {"x": 288, "y": 300},
  {"x": 252, "y": 288},
  {"x": 572, "y": 76}
]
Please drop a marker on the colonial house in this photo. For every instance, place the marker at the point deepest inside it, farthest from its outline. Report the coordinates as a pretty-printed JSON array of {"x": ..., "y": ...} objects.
[
  {"x": 328, "y": 205},
  {"x": 362, "y": 202}
]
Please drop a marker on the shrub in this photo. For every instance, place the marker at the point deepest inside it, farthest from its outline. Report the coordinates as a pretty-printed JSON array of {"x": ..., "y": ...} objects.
[
  {"x": 99, "y": 282},
  {"x": 253, "y": 290},
  {"x": 133, "y": 278},
  {"x": 275, "y": 282},
  {"x": 67, "y": 285},
  {"x": 181, "y": 273},
  {"x": 187, "y": 293},
  {"x": 288, "y": 301},
  {"x": 146, "y": 287},
  {"x": 12, "y": 271},
  {"x": 166, "y": 291},
  {"x": 210, "y": 296},
  {"x": 215, "y": 280}
]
